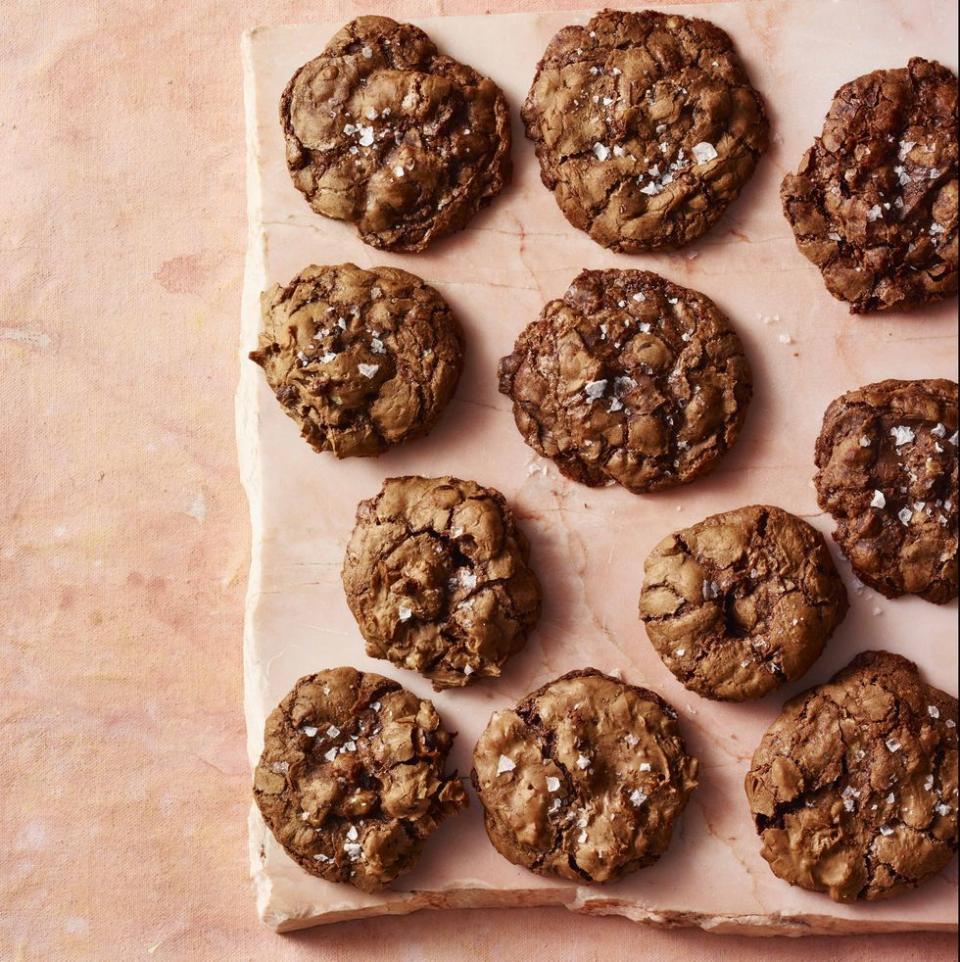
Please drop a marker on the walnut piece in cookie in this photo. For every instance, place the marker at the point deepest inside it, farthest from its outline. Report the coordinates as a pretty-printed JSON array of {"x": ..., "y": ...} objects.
[
  {"x": 362, "y": 360},
  {"x": 854, "y": 787},
  {"x": 584, "y": 779},
  {"x": 385, "y": 132},
  {"x": 646, "y": 127},
  {"x": 874, "y": 201},
  {"x": 352, "y": 778},
  {"x": 741, "y": 602},
  {"x": 437, "y": 575},
  {"x": 629, "y": 379},
  {"x": 887, "y": 472}
]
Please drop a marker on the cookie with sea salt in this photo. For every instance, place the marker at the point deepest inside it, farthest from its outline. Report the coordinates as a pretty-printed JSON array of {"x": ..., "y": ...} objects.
[
  {"x": 384, "y": 131},
  {"x": 584, "y": 779},
  {"x": 352, "y": 780},
  {"x": 437, "y": 575},
  {"x": 887, "y": 472},
  {"x": 629, "y": 379},
  {"x": 646, "y": 127},
  {"x": 362, "y": 360},
  {"x": 853, "y": 788},
  {"x": 741, "y": 602},
  {"x": 874, "y": 201}
]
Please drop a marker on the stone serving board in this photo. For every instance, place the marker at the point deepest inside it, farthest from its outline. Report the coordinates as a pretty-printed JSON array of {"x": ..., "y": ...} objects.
[{"x": 588, "y": 544}]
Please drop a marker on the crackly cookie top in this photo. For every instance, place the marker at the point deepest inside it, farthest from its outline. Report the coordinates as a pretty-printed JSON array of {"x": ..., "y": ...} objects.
[
  {"x": 361, "y": 359},
  {"x": 646, "y": 127},
  {"x": 742, "y": 602},
  {"x": 437, "y": 576},
  {"x": 385, "y": 132},
  {"x": 854, "y": 787},
  {"x": 887, "y": 472},
  {"x": 584, "y": 779},
  {"x": 874, "y": 201},
  {"x": 629, "y": 379},
  {"x": 352, "y": 777}
]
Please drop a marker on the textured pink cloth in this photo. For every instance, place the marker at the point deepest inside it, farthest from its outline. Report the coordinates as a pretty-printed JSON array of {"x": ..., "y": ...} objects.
[{"x": 123, "y": 531}]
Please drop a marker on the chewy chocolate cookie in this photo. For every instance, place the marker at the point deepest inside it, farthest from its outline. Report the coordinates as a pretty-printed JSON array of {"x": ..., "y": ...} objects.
[
  {"x": 351, "y": 780},
  {"x": 629, "y": 379},
  {"x": 874, "y": 201},
  {"x": 742, "y": 602},
  {"x": 646, "y": 127},
  {"x": 437, "y": 576},
  {"x": 385, "y": 132},
  {"x": 361, "y": 359},
  {"x": 854, "y": 787},
  {"x": 584, "y": 779},
  {"x": 887, "y": 472}
]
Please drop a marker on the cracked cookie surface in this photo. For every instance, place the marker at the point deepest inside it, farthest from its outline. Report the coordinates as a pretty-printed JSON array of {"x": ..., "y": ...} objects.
[
  {"x": 742, "y": 602},
  {"x": 584, "y": 779},
  {"x": 854, "y": 787},
  {"x": 887, "y": 472},
  {"x": 646, "y": 127},
  {"x": 437, "y": 575},
  {"x": 629, "y": 379},
  {"x": 383, "y": 131},
  {"x": 362, "y": 360},
  {"x": 874, "y": 201},
  {"x": 352, "y": 777}
]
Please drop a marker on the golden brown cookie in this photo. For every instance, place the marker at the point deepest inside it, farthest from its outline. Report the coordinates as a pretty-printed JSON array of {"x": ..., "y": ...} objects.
[
  {"x": 854, "y": 787},
  {"x": 646, "y": 127},
  {"x": 887, "y": 472},
  {"x": 362, "y": 360},
  {"x": 352, "y": 778},
  {"x": 741, "y": 602},
  {"x": 631, "y": 379},
  {"x": 384, "y": 131},
  {"x": 437, "y": 576},
  {"x": 874, "y": 201},
  {"x": 584, "y": 779}
]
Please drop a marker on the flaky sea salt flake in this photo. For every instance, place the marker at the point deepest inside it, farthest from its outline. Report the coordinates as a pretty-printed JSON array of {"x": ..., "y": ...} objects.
[
  {"x": 902, "y": 435},
  {"x": 704, "y": 152},
  {"x": 601, "y": 151},
  {"x": 505, "y": 765},
  {"x": 595, "y": 390}
]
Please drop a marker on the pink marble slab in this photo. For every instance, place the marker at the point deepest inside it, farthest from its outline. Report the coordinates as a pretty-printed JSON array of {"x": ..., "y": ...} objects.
[{"x": 588, "y": 545}]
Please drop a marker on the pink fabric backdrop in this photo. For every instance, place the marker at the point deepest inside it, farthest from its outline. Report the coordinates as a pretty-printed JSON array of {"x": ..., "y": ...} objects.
[{"x": 123, "y": 531}]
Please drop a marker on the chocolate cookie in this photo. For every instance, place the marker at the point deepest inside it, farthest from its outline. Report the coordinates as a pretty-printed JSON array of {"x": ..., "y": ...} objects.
[
  {"x": 646, "y": 127},
  {"x": 629, "y": 379},
  {"x": 584, "y": 779},
  {"x": 351, "y": 780},
  {"x": 887, "y": 472},
  {"x": 874, "y": 201},
  {"x": 385, "y": 132},
  {"x": 854, "y": 787},
  {"x": 437, "y": 576},
  {"x": 361, "y": 359},
  {"x": 742, "y": 602}
]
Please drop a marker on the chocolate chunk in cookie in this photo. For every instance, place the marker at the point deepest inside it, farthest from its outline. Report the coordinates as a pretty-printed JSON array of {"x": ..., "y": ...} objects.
[
  {"x": 854, "y": 787},
  {"x": 584, "y": 779},
  {"x": 874, "y": 201},
  {"x": 437, "y": 576},
  {"x": 887, "y": 472},
  {"x": 362, "y": 360},
  {"x": 629, "y": 379},
  {"x": 385, "y": 132},
  {"x": 742, "y": 602},
  {"x": 646, "y": 127},
  {"x": 352, "y": 777}
]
